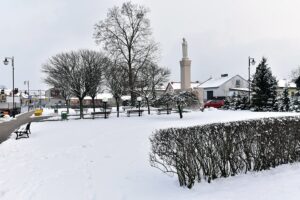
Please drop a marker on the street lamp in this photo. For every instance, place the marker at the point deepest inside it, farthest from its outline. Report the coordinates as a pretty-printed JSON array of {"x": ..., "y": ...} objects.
[
  {"x": 139, "y": 99},
  {"x": 251, "y": 61},
  {"x": 105, "y": 102},
  {"x": 13, "y": 80}
]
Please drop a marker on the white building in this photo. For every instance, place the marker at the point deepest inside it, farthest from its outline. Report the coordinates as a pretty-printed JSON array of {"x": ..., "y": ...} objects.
[
  {"x": 291, "y": 86},
  {"x": 176, "y": 86},
  {"x": 221, "y": 87},
  {"x": 224, "y": 86}
]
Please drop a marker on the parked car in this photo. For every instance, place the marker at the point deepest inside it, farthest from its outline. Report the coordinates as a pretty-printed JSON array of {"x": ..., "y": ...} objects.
[{"x": 214, "y": 104}]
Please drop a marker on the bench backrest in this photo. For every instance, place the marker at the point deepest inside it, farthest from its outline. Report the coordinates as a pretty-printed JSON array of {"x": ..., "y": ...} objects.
[{"x": 28, "y": 126}]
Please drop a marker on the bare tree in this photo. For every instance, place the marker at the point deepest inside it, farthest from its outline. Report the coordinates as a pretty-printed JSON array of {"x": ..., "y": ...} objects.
[
  {"x": 126, "y": 34},
  {"x": 57, "y": 78},
  {"x": 295, "y": 74},
  {"x": 94, "y": 65},
  {"x": 116, "y": 81},
  {"x": 151, "y": 77},
  {"x": 68, "y": 70}
]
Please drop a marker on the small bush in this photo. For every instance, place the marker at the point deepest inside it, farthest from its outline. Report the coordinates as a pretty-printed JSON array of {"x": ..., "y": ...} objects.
[{"x": 225, "y": 149}]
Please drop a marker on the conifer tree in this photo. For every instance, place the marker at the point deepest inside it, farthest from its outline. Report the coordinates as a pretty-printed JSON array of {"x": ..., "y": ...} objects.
[
  {"x": 286, "y": 100},
  {"x": 264, "y": 86}
]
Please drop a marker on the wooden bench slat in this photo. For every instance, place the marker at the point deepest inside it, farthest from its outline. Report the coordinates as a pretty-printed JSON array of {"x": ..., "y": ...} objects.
[
  {"x": 134, "y": 111},
  {"x": 100, "y": 113},
  {"x": 161, "y": 110}
]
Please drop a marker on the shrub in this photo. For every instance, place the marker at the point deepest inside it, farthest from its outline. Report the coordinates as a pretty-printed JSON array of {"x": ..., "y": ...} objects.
[{"x": 225, "y": 149}]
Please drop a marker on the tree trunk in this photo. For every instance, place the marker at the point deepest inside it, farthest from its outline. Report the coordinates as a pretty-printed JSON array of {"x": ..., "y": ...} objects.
[
  {"x": 179, "y": 110},
  {"x": 167, "y": 108},
  {"x": 130, "y": 77},
  {"x": 93, "y": 102},
  {"x": 81, "y": 108},
  {"x": 118, "y": 106},
  {"x": 68, "y": 105},
  {"x": 147, "y": 100}
]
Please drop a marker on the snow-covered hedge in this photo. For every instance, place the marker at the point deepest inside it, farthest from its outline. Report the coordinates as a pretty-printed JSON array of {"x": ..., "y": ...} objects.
[{"x": 218, "y": 150}]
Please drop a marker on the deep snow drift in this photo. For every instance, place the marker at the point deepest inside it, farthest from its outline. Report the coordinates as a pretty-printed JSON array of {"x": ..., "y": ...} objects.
[{"x": 108, "y": 159}]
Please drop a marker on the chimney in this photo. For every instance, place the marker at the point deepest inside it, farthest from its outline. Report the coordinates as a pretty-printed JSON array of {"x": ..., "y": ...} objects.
[{"x": 224, "y": 75}]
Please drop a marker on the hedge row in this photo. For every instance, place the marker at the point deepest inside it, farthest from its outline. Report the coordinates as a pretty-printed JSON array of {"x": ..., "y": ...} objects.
[{"x": 225, "y": 149}]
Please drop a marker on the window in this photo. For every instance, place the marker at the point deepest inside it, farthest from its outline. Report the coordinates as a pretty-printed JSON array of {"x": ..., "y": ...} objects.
[
  {"x": 238, "y": 83},
  {"x": 210, "y": 95}
]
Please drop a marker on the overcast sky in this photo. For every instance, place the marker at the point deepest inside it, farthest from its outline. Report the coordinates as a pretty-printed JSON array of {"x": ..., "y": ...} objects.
[{"x": 221, "y": 34}]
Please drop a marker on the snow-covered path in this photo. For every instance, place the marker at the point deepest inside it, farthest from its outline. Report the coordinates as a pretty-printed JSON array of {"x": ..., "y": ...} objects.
[{"x": 108, "y": 159}]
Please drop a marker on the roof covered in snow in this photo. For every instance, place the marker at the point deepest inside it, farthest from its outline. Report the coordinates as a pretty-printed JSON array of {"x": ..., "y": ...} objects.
[
  {"x": 286, "y": 83},
  {"x": 177, "y": 85},
  {"x": 99, "y": 96},
  {"x": 217, "y": 82}
]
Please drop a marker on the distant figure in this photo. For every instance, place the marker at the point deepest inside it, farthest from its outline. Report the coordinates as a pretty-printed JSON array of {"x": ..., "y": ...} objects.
[{"x": 184, "y": 49}]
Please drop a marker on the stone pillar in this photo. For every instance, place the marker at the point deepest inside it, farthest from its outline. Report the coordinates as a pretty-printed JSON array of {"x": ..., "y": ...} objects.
[{"x": 185, "y": 67}]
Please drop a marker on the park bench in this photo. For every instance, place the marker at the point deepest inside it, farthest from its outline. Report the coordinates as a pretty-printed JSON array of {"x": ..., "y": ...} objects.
[
  {"x": 139, "y": 112},
  {"x": 127, "y": 108},
  {"x": 84, "y": 110},
  {"x": 164, "y": 110},
  {"x": 21, "y": 132},
  {"x": 101, "y": 113}
]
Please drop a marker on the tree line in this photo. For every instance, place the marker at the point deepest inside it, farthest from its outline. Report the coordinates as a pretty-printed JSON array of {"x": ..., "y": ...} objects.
[{"x": 125, "y": 64}]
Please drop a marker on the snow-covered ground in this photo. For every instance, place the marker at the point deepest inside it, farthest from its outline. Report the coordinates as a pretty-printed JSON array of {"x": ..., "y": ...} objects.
[
  {"x": 5, "y": 118},
  {"x": 108, "y": 159}
]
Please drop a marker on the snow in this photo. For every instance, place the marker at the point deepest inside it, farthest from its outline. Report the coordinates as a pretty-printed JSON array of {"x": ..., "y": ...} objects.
[
  {"x": 99, "y": 96},
  {"x": 109, "y": 159},
  {"x": 177, "y": 85},
  {"x": 285, "y": 83},
  {"x": 216, "y": 82},
  {"x": 5, "y": 118}
]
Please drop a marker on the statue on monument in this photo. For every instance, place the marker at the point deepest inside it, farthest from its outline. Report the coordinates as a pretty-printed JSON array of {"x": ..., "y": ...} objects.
[{"x": 184, "y": 48}]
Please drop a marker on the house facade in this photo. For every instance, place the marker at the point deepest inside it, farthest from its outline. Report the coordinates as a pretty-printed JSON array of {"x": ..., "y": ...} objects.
[
  {"x": 291, "y": 86},
  {"x": 54, "y": 97},
  {"x": 224, "y": 86}
]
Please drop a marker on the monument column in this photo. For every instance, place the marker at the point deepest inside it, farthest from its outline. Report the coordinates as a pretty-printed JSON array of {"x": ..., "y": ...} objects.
[{"x": 185, "y": 67}]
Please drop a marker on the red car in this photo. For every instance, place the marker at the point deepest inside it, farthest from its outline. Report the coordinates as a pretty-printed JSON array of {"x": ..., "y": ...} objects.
[{"x": 214, "y": 103}]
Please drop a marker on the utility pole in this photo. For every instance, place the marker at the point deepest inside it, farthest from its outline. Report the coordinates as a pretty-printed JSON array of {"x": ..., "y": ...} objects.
[
  {"x": 27, "y": 82},
  {"x": 251, "y": 61}
]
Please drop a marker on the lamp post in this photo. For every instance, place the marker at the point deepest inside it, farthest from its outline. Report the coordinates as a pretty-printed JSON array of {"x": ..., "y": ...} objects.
[
  {"x": 251, "y": 61},
  {"x": 105, "y": 102},
  {"x": 13, "y": 80},
  {"x": 27, "y": 82},
  {"x": 139, "y": 99}
]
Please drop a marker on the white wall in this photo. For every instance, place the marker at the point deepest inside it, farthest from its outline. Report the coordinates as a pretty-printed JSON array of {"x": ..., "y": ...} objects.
[{"x": 223, "y": 90}]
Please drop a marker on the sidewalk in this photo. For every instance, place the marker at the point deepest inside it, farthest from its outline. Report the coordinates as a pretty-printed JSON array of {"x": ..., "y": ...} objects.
[{"x": 6, "y": 128}]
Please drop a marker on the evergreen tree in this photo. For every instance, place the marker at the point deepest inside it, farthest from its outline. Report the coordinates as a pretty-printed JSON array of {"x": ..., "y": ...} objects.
[
  {"x": 264, "y": 86},
  {"x": 286, "y": 100},
  {"x": 296, "y": 105},
  {"x": 184, "y": 98},
  {"x": 297, "y": 81}
]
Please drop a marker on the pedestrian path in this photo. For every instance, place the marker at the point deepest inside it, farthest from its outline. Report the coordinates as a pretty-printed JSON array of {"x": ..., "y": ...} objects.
[{"x": 6, "y": 128}]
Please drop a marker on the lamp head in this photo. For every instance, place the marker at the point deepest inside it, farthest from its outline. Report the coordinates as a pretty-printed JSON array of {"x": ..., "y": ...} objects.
[
  {"x": 139, "y": 99},
  {"x": 6, "y": 61},
  {"x": 105, "y": 99},
  {"x": 252, "y": 61}
]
